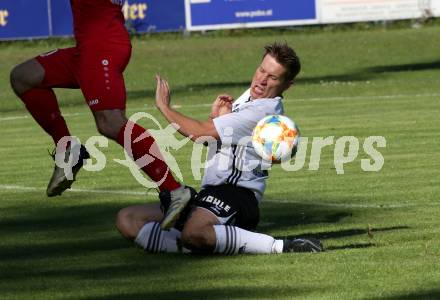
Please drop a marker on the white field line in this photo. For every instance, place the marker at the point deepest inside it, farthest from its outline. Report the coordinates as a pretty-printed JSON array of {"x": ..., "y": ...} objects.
[
  {"x": 19, "y": 188},
  {"x": 28, "y": 116},
  {"x": 431, "y": 95},
  {"x": 13, "y": 118},
  {"x": 348, "y": 205}
]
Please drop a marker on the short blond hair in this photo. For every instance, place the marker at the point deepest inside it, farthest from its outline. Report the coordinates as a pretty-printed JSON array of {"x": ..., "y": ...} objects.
[{"x": 285, "y": 56}]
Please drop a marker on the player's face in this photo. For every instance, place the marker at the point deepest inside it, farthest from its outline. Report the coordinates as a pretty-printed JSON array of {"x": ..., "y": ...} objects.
[{"x": 268, "y": 80}]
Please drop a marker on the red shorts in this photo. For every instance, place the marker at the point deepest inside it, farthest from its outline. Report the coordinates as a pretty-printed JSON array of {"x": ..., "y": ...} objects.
[{"x": 97, "y": 73}]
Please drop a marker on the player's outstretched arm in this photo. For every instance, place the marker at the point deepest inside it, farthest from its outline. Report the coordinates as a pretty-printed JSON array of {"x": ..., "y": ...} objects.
[{"x": 187, "y": 126}]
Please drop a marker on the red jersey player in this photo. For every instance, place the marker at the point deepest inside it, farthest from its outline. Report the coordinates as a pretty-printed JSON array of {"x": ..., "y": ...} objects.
[{"x": 95, "y": 65}]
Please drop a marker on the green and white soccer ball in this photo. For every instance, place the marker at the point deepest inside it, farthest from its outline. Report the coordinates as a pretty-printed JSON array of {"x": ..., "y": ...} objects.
[{"x": 275, "y": 138}]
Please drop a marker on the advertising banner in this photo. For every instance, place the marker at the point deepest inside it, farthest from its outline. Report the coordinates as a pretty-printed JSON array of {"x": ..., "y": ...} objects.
[
  {"x": 218, "y": 14},
  {"x": 154, "y": 15},
  {"x": 141, "y": 16},
  {"x": 62, "y": 23},
  {"x": 435, "y": 7},
  {"x": 339, "y": 11},
  {"x": 21, "y": 19}
]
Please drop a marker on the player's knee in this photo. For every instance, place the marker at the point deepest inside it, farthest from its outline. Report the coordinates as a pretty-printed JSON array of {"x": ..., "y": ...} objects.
[
  {"x": 196, "y": 238},
  {"x": 16, "y": 80},
  {"x": 124, "y": 220},
  {"x": 106, "y": 130},
  {"x": 109, "y": 126},
  {"x": 25, "y": 76}
]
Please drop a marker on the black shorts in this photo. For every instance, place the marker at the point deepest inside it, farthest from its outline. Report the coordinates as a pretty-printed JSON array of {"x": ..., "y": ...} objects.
[{"x": 231, "y": 205}]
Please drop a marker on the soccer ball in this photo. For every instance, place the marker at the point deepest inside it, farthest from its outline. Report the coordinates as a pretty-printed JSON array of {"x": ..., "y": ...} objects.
[{"x": 275, "y": 138}]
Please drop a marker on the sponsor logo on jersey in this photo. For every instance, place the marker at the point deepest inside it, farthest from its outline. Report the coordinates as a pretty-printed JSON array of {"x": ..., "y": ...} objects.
[
  {"x": 219, "y": 204},
  {"x": 93, "y": 102},
  {"x": 238, "y": 105}
]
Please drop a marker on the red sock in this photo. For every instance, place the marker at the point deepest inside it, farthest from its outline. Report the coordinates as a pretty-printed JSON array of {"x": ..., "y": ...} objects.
[
  {"x": 157, "y": 170},
  {"x": 43, "y": 106}
]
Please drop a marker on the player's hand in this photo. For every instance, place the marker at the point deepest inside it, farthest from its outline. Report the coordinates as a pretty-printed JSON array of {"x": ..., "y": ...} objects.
[
  {"x": 163, "y": 98},
  {"x": 222, "y": 105}
]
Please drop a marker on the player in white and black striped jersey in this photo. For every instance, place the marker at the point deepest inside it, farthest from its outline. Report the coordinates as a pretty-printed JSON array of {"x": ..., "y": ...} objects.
[{"x": 225, "y": 212}]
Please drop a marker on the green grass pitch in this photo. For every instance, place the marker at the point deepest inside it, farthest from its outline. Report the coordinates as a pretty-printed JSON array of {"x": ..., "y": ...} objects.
[{"x": 381, "y": 229}]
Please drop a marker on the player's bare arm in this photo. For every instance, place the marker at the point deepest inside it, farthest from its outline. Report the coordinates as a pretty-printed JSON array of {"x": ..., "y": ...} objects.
[{"x": 186, "y": 126}]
